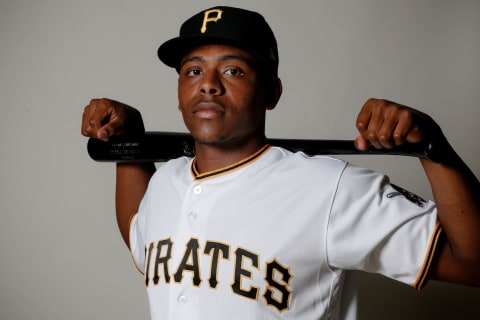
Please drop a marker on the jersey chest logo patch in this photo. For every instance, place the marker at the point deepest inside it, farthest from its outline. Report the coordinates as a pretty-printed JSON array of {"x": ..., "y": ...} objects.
[{"x": 419, "y": 201}]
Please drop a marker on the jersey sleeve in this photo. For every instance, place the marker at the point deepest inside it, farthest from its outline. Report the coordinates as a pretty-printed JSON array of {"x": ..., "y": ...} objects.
[
  {"x": 378, "y": 227},
  {"x": 136, "y": 239}
]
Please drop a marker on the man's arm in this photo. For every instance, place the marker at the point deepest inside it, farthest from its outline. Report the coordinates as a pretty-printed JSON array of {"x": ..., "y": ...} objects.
[
  {"x": 457, "y": 195},
  {"x": 103, "y": 118},
  {"x": 131, "y": 184},
  {"x": 455, "y": 188}
]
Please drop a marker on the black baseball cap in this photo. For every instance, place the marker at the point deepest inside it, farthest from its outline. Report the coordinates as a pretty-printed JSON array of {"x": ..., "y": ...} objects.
[{"x": 236, "y": 27}]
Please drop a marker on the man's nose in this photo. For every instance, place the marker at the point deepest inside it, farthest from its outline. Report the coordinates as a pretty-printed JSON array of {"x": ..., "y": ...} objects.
[{"x": 211, "y": 84}]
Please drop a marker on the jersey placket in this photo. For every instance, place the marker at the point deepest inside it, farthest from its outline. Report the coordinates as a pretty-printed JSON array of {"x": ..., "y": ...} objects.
[{"x": 184, "y": 296}]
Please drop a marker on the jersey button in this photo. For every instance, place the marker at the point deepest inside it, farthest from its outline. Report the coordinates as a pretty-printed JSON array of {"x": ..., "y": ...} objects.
[
  {"x": 182, "y": 299},
  {"x": 192, "y": 216},
  {"x": 197, "y": 190}
]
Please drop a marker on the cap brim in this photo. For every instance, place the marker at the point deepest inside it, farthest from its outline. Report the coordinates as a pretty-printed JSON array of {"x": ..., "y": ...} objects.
[{"x": 172, "y": 51}]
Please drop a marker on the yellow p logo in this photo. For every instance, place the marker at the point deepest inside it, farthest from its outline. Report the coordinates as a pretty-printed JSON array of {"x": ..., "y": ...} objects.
[{"x": 207, "y": 18}]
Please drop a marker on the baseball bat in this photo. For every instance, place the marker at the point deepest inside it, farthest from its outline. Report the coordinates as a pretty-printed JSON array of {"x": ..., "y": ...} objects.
[{"x": 156, "y": 146}]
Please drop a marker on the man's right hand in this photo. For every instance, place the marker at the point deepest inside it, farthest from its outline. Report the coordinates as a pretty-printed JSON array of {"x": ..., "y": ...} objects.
[{"x": 103, "y": 118}]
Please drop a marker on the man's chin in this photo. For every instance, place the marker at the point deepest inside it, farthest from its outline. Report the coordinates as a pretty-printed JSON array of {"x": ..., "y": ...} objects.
[
  {"x": 207, "y": 136},
  {"x": 208, "y": 139}
]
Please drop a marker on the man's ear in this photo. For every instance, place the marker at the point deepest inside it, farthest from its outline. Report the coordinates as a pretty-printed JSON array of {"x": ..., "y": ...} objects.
[{"x": 274, "y": 93}]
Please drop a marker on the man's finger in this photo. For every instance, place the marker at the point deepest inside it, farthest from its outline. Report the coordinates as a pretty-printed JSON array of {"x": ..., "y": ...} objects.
[
  {"x": 415, "y": 135},
  {"x": 361, "y": 143},
  {"x": 108, "y": 130}
]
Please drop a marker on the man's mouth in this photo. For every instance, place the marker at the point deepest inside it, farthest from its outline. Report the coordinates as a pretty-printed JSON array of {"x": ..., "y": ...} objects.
[{"x": 208, "y": 110}]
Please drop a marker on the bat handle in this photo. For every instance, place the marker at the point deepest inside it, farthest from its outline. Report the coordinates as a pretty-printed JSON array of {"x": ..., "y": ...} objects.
[{"x": 347, "y": 147}]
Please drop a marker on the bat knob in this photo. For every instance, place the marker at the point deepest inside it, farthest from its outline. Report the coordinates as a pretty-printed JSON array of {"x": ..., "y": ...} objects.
[{"x": 188, "y": 149}]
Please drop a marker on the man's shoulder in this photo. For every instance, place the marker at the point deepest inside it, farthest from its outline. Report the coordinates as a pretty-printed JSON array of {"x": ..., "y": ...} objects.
[
  {"x": 301, "y": 164},
  {"x": 304, "y": 159},
  {"x": 176, "y": 167}
]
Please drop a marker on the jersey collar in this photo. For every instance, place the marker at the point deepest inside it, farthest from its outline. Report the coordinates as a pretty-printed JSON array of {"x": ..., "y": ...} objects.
[{"x": 233, "y": 167}]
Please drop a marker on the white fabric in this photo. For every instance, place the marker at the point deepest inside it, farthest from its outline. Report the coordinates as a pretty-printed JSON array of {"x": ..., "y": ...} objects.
[{"x": 289, "y": 226}]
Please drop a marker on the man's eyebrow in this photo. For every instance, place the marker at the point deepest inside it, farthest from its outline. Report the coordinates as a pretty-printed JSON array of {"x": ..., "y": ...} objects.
[
  {"x": 235, "y": 57},
  {"x": 224, "y": 57},
  {"x": 191, "y": 59}
]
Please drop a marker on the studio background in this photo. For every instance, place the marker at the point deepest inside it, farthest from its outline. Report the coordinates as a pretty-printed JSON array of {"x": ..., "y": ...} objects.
[{"x": 61, "y": 255}]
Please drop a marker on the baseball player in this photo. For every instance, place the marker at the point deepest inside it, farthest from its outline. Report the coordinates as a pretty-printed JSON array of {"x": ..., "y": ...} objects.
[{"x": 245, "y": 230}]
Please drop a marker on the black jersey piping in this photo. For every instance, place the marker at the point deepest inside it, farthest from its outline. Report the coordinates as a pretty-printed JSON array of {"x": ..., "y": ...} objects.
[{"x": 198, "y": 176}]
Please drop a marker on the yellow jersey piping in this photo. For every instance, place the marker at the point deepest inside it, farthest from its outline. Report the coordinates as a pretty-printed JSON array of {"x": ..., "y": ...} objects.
[
  {"x": 422, "y": 276},
  {"x": 235, "y": 166}
]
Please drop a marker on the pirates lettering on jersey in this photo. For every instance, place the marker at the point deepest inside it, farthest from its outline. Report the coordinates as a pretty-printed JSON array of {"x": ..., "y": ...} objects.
[
  {"x": 217, "y": 248},
  {"x": 190, "y": 263},
  {"x": 277, "y": 277},
  {"x": 160, "y": 260},
  {"x": 277, "y": 290},
  {"x": 241, "y": 258}
]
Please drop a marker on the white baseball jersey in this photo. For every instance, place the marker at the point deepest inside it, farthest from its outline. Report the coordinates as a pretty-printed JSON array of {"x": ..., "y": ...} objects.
[{"x": 270, "y": 237}]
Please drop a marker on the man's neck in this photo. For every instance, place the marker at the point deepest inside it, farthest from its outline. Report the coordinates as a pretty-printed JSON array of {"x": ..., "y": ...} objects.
[{"x": 211, "y": 157}]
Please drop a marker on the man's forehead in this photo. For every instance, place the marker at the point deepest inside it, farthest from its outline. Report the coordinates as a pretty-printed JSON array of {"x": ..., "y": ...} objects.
[{"x": 218, "y": 52}]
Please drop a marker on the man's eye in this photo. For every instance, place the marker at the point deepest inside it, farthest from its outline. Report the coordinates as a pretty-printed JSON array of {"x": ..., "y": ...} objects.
[
  {"x": 233, "y": 72},
  {"x": 194, "y": 72}
]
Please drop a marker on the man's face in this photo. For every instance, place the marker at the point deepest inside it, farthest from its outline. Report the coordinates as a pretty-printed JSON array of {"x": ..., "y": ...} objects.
[{"x": 221, "y": 95}]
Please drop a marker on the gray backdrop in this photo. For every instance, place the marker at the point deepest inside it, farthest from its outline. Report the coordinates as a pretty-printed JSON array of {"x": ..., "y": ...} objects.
[{"x": 61, "y": 254}]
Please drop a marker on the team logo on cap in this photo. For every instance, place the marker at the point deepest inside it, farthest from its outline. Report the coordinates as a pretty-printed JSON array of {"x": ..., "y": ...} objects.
[{"x": 212, "y": 15}]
